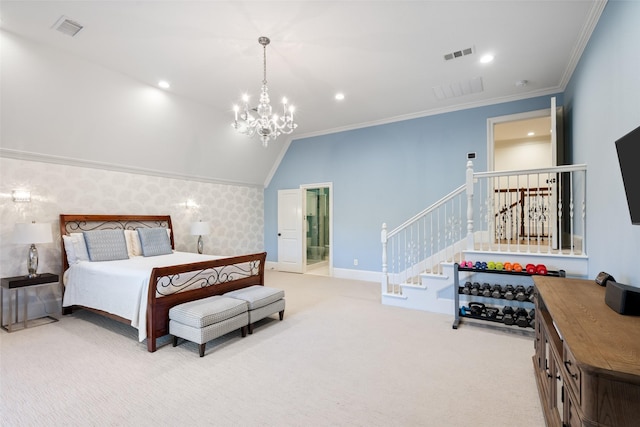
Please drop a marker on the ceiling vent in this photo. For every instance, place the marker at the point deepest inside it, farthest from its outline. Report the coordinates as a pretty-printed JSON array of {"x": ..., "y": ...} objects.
[
  {"x": 67, "y": 26},
  {"x": 461, "y": 88},
  {"x": 458, "y": 54}
]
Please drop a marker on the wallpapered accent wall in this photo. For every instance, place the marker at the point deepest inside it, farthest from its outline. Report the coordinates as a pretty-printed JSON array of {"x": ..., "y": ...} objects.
[{"x": 235, "y": 213}]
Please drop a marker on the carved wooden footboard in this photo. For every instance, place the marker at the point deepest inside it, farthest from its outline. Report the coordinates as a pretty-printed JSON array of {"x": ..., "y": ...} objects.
[{"x": 172, "y": 285}]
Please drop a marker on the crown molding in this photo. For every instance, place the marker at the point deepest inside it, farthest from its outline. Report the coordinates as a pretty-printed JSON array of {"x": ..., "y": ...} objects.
[{"x": 68, "y": 161}]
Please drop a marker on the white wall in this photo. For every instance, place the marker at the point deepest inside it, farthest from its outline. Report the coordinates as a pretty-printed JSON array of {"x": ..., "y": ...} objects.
[
  {"x": 522, "y": 154},
  {"x": 57, "y": 104}
]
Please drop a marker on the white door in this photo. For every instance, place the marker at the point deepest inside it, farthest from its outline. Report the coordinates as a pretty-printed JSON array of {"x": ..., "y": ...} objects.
[{"x": 290, "y": 248}]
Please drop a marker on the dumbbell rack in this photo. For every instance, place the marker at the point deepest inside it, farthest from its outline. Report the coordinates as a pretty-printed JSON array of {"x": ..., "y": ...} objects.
[{"x": 501, "y": 277}]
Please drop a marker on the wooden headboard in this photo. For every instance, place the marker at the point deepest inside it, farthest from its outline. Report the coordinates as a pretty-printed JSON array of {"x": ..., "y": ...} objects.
[{"x": 79, "y": 223}]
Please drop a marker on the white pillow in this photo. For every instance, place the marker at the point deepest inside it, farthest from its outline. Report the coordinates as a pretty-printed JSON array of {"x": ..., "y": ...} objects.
[
  {"x": 133, "y": 243},
  {"x": 75, "y": 247}
]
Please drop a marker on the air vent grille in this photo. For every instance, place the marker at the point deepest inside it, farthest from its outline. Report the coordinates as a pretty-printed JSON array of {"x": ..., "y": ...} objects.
[
  {"x": 461, "y": 88},
  {"x": 458, "y": 54},
  {"x": 67, "y": 26}
]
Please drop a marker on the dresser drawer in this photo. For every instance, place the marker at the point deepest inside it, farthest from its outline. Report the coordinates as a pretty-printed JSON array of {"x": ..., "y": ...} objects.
[{"x": 572, "y": 374}]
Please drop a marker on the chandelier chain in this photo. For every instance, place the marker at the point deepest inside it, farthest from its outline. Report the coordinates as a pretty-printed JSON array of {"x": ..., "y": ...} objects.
[{"x": 264, "y": 64}]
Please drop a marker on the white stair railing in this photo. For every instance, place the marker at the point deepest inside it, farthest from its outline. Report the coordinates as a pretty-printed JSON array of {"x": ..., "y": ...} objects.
[
  {"x": 530, "y": 211},
  {"x": 423, "y": 242},
  {"x": 527, "y": 211}
]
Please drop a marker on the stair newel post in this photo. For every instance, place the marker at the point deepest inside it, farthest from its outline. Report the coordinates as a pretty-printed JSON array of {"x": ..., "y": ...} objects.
[
  {"x": 385, "y": 277},
  {"x": 470, "y": 239}
]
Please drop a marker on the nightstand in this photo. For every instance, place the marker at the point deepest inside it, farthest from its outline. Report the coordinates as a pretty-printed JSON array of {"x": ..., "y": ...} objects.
[{"x": 13, "y": 285}]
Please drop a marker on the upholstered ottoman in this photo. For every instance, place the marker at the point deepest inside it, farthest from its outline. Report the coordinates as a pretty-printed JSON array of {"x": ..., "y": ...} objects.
[
  {"x": 205, "y": 319},
  {"x": 262, "y": 301}
]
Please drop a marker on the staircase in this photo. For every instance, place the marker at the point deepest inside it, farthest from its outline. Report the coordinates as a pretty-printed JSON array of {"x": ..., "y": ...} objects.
[{"x": 532, "y": 216}]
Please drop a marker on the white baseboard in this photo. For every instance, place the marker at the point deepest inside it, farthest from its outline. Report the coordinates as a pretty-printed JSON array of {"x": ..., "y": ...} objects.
[
  {"x": 341, "y": 273},
  {"x": 367, "y": 276}
]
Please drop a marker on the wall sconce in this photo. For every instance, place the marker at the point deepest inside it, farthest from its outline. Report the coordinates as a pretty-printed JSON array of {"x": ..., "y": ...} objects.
[
  {"x": 190, "y": 204},
  {"x": 200, "y": 229},
  {"x": 21, "y": 195}
]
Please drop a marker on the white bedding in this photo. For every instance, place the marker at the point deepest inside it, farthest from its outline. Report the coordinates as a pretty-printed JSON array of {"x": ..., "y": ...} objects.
[{"x": 120, "y": 287}]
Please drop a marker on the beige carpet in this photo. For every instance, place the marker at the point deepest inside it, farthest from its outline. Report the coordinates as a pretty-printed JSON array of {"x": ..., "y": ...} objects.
[{"x": 339, "y": 358}]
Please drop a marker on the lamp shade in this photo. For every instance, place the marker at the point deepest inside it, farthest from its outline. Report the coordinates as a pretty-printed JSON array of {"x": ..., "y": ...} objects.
[
  {"x": 32, "y": 233},
  {"x": 199, "y": 228}
]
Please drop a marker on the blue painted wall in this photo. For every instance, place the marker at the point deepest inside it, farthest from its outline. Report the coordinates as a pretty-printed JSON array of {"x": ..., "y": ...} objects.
[
  {"x": 603, "y": 103},
  {"x": 385, "y": 173}
]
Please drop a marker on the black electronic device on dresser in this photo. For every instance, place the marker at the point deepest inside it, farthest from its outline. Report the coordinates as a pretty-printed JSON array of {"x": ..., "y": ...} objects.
[{"x": 621, "y": 298}]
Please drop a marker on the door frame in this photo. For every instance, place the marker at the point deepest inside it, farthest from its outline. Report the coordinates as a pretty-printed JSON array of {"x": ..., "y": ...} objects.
[
  {"x": 304, "y": 188},
  {"x": 556, "y": 127}
]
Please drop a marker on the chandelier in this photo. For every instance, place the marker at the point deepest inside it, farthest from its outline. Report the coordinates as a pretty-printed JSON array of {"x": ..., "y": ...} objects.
[{"x": 261, "y": 120}]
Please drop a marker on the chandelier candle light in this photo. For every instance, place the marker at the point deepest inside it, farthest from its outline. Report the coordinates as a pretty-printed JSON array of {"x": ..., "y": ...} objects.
[{"x": 260, "y": 120}]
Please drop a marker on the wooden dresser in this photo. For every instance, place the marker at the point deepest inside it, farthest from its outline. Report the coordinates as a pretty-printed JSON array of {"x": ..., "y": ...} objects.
[{"x": 587, "y": 356}]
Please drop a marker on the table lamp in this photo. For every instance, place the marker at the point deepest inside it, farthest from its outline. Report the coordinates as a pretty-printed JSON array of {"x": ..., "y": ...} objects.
[
  {"x": 200, "y": 229},
  {"x": 31, "y": 234}
]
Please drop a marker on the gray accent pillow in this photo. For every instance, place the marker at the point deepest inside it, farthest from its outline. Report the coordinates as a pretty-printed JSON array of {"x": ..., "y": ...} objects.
[
  {"x": 106, "y": 245},
  {"x": 154, "y": 241}
]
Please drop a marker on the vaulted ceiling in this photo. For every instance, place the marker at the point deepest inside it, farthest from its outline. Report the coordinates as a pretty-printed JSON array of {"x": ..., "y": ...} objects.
[{"x": 387, "y": 57}]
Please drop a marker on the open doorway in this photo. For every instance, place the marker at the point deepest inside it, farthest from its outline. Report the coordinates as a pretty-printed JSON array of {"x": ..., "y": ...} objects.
[
  {"x": 525, "y": 204},
  {"x": 520, "y": 141},
  {"x": 305, "y": 229},
  {"x": 517, "y": 136},
  {"x": 317, "y": 229},
  {"x": 522, "y": 144}
]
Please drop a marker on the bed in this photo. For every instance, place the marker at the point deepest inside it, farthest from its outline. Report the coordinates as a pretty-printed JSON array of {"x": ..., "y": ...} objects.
[{"x": 139, "y": 289}]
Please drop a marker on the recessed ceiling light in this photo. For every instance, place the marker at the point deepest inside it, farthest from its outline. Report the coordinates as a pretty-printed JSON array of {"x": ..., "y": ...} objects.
[
  {"x": 531, "y": 133},
  {"x": 164, "y": 84},
  {"x": 339, "y": 96},
  {"x": 522, "y": 83},
  {"x": 486, "y": 59}
]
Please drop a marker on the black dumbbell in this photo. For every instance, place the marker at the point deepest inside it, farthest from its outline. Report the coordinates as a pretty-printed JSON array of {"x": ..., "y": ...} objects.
[
  {"x": 475, "y": 288},
  {"x": 507, "y": 315},
  {"x": 521, "y": 317},
  {"x": 476, "y": 308},
  {"x": 496, "y": 291},
  {"x": 532, "y": 318},
  {"x": 530, "y": 293},
  {"x": 467, "y": 288},
  {"x": 521, "y": 293},
  {"x": 508, "y": 292},
  {"x": 491, "y": 312},
  {"x": 486, "y": 290}
]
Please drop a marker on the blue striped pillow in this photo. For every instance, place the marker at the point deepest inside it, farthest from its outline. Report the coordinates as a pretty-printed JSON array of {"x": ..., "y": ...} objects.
[
  {"x": 154, "y": 241},
  {"x": 106, "y": 245}
]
